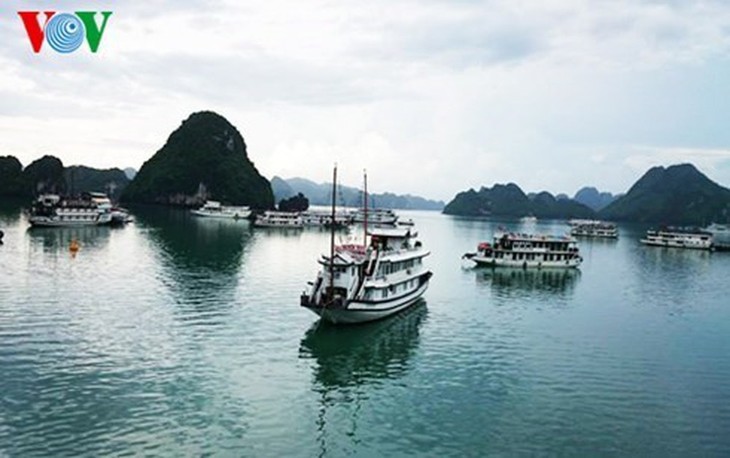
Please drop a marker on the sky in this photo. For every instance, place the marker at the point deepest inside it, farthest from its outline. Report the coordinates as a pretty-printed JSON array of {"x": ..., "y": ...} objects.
[{"x": 431, "y": 97}]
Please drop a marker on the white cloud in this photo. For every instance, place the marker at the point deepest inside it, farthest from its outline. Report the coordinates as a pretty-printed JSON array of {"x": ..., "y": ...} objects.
[{"x": 432, "y": 97}]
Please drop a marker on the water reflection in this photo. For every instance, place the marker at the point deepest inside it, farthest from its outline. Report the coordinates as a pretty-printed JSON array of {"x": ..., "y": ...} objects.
[
  {"x": 10, "y": 211},
  {"x": 60, "y": 239},
  {"x": 200, "y": 258},
  {"x": 348, "y": 358},
  {"x": 528, "y": 283},
  {"x": 359, "y": 354},
  {"x": 668, "y": 276}
]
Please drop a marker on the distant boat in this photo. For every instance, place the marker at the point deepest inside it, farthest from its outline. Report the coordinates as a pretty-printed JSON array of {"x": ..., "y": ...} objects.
[
  {"x": 690, "y": 238},
  {"x": 407, "y": 222},
  {"x": 593, "y": 228},
  {"x": 359, "y": 283},
  {"x": 527, "y": 251},
  {"x": 214, "y": 209},
  {"x": 279, "y": 219},
  {"x": 51, "y": 210},
  {"x": 323, "y": 218},
  {"x": 376, "y": 216},
  {"x": 120, "y": 216},
  {"x": 720, "y": 236},
  {"x": 530, "y": 219}
]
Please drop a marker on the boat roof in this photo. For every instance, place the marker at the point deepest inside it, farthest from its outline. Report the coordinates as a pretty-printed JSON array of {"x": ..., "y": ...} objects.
[
  {"x": 343, "y": 258},
  {"x": 395, "y": 232},
  {"x": 534, "y": 237}
]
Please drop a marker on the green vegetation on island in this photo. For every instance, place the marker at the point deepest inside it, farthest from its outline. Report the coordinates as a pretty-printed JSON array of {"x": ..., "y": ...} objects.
[
  {"x": 298, "y": 203},
  {"x": 48, "y": 175},
  {"x": 86, "y": 179},
  {"x": 510, "y": 200},
  {"x": 675, "y": 195},
  {"x": 44, "y": 175},
  {"x": 11, "y": 177},
  {"x": 678, "y": 195},
  {"x": 205, "y": 158}
]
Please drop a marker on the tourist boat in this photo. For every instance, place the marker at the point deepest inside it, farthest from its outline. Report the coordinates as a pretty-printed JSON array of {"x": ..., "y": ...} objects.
[
  {"x": 593, "y": 228},
  {"x": 279, "y": 219},
  {"x": 323, "y": 218},
  {"x": 214, "y": 209},
  {"x": 406, "y": 222},
  {"x": 530, "y": 219},
  {"x": 527, "y": 251},
  {"x": 120, "y": 216},
  {"x": 376, "y": 217},
  {"x": 696, "y": 239},
  {"x": 51, "y": 210},
  {"x": 720, "y": 235},
  {"x": 359, "y": 283}
]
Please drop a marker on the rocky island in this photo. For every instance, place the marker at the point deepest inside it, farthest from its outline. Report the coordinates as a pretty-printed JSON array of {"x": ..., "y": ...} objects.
[{"x": 205, "y": 158}]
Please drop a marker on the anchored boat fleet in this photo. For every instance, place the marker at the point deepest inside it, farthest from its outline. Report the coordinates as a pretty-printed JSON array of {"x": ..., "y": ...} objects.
[{"x": 360, "y": 282}]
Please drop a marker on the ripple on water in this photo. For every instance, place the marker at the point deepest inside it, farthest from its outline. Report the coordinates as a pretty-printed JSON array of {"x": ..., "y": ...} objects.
[{"x": 174, "y": 336}]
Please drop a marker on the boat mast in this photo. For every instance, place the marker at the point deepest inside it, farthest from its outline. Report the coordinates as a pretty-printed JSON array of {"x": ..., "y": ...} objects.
[
  {"x": 332, "y": 235},
  {"x": 365, "y": 205}
]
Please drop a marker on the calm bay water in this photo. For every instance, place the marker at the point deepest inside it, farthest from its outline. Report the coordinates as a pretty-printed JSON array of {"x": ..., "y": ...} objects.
[{"x": 177, "y": 335}]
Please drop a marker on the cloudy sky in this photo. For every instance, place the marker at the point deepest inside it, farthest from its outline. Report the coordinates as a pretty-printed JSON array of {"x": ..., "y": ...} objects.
[{"x": 432, "y": 97}]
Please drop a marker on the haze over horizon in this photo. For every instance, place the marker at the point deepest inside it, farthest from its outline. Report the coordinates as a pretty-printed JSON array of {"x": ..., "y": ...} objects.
[{"x": 431, "y": 97}]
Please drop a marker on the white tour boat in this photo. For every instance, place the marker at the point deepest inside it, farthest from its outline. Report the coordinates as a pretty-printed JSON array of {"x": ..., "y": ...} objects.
[
  {"x": 679, "y": 238},
  {"x": 359, "y": 283},
  {"x": 214, "y": 209},
  {"x": 120, "y": 216},
  {"x": 593, "y": 228},
  {"x": 323, "y": 218},
  {"x": 50, "y": 210},
  {"x": 376, "y": 217},
  {"x": 279, "y": 219},
  {"x": 527, "y": 251},
  {"x": 720, "y": 236}
]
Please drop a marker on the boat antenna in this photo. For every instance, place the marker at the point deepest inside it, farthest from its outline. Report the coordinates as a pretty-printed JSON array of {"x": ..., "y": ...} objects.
[
  {"x": 365, "y": 206},
  {"x": 332, "y": 235}
]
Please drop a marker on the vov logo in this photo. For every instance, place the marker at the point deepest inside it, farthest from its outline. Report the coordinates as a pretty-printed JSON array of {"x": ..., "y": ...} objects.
[{"x": 64, "y": 32}]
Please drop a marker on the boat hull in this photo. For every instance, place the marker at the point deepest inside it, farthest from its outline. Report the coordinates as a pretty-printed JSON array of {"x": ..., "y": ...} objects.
[
  {"x": 526, "y": 264},
  {"x": 237, "y": 215},
  {"x": 53, "y": 222},
  {"x": 363, "y": 312},
  {"x": 677, "y": 244},
  {"x": 277, "y": 226}
]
